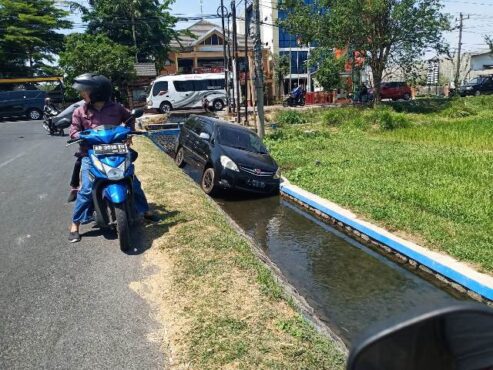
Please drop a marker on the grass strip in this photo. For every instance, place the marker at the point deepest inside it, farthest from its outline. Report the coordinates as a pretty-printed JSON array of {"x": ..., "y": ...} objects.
[
  {"x": 220, "y": 305},
  {"x": 422, "y": 169}
]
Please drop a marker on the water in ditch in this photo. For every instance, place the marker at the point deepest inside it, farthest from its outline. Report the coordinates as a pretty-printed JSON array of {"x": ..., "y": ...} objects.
[{"x": 349, "y": 286}]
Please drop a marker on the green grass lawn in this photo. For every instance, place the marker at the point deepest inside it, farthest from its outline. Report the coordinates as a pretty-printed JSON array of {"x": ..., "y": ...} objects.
[{"x": 424, "y": 169}]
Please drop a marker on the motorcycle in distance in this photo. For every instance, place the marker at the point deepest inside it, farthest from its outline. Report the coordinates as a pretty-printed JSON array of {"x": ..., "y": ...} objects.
[
  {"x": 455, "y": 337},
  {"x": 112, "y": 172},
  {"x": 295, "y": 97},
  {"x": 54, "y": 121}
]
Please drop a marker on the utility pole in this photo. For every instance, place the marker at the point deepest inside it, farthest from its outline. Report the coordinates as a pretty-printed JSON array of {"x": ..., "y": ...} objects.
[
  {"x": 235, "y": 67},
  {"x": 259, "y": 72},
  {"x": 457, "y": 72},
  {"x": 230, "y": 68},
  {"x": 246, "y": 64},
  {"x": 226, "y": 64}
]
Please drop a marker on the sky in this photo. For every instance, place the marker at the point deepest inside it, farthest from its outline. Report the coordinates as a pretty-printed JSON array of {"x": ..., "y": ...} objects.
[{"x": 480, "y": 20}]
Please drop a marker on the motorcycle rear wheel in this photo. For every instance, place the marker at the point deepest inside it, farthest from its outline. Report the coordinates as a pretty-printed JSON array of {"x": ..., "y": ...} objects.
[{"x": 122, "y": 226}]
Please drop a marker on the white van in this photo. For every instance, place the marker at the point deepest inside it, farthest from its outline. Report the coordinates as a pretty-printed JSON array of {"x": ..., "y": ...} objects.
[{"x": 187, "y": 91}]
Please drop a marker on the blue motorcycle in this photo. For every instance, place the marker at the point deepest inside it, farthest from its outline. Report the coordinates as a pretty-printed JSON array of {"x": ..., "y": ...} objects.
[{"x": 112, "y": 173}]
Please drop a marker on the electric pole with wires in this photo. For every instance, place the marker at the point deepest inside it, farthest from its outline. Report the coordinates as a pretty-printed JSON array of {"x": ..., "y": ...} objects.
[
  {"x": 259, "y": 71},
  {"x": 235, "y": 63},
  {"x": 222, "y": 13},
  {"x": 457, "y": 72}
]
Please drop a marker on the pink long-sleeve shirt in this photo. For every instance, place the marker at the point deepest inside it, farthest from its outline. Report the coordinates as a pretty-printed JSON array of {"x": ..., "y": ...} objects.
[{"x": 87, "y": 117}]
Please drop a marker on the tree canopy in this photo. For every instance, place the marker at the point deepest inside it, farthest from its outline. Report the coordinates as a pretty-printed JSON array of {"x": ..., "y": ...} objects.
[
  {"x": 383, "y": 30},
  {"x": 29, "y": 36},
  {"x": 145, "y": 25},
  {"x": 97, "y": 53},
  {"x": 328, "y": 68}
]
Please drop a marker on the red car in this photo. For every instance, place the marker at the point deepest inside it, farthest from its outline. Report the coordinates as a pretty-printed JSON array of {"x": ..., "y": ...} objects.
[{"x": 395, "y": 91}]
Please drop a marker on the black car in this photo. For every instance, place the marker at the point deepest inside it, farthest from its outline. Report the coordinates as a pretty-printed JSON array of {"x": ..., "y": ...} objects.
[
  {"x": 478, "y": 86},
  {"x": 229, "y": 156}
]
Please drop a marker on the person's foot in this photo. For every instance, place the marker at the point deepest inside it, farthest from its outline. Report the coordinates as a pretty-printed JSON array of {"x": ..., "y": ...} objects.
[
  {"x": 73, "y": 195},
  {"x": 74, "y": 237}
]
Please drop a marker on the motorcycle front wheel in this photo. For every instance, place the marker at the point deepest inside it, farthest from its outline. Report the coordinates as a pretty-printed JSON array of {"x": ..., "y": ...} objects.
[{"x": 122, "y": 226}]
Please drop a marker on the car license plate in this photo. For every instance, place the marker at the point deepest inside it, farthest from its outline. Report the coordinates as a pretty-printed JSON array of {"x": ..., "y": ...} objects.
[
  {"x": 106, "y": 149},
  {"x": 257, "y": 184}
]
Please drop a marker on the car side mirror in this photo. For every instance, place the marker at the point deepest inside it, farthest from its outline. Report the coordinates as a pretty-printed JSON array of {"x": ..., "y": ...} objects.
[
  {"x": 205, "y": 136},
  {"x": 137, "y": 113},
  {"x": 453, "y": 337}
]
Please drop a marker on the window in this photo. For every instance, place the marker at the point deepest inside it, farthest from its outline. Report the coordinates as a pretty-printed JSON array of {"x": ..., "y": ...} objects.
[
  {"x": 183, "y": 86},
  {"x": 488, "y": 82},
  {"x": 240, "y": 139},
  {"x": 193, "y": 125},
  {"x": 205, "y": 127},
  {"x": 213, "y": 40},
  {"x": 139, "y": 94},
  {"x": 215, "y": 84},
  {"x": 160, "y": 88}
]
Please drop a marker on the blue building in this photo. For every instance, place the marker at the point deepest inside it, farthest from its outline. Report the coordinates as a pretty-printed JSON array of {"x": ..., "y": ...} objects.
[{"x": 298, "y": 54}]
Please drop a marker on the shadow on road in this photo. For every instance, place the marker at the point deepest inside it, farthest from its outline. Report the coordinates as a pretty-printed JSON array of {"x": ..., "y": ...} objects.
[{"x": 145, "y": 233}]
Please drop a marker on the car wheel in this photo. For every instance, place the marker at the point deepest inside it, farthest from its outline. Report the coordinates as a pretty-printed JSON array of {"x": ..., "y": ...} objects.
[
  {"x": 218, "y": 105},
  {"x": 165, "y": 107},
  {"x": 180, "y": 157},
  {"x": 34, "y": 114},
  {"x": 208, "y": 182},
  {"x": 477, "y": 93},
  {"x": 406, "y": 97}
]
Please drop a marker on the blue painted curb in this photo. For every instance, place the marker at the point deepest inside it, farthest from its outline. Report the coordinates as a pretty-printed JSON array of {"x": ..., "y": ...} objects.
[{"x": 434, "y": 265}]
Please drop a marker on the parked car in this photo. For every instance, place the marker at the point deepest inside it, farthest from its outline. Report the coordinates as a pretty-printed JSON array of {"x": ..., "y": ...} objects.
[
  {"x": 229, "y": 156},
  {"x": 187, "y": 91},
  {"x": 395, "y": 91},
  {"x": 18, "y": 103},
  {"x": 478, "y": 86}
]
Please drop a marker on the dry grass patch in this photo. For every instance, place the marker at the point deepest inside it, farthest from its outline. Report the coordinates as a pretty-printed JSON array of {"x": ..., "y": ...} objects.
[{"x": 220, "y": 307}]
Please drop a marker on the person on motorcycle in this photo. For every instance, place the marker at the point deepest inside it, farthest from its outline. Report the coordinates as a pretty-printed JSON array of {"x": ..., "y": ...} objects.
[
  {"x": 298, "y": 93},
  {"x": 98, "y": 109}
]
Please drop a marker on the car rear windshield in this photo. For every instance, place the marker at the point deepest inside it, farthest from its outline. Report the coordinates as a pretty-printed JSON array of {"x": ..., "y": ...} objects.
[{"x": 240, "y": 139}]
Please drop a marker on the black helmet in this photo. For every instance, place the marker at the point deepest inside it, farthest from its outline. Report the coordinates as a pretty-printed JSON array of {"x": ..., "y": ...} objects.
[{"x": 98, "y": 86}]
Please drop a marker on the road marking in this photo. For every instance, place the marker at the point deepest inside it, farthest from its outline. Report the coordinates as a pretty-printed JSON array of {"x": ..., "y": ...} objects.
[
  {"x": 19, "y": 155},
  {"x": 12, "y": 159}
]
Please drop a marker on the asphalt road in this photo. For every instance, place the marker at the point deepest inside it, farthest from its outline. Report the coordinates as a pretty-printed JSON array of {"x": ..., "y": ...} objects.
[{"x": 62, "y": 305}]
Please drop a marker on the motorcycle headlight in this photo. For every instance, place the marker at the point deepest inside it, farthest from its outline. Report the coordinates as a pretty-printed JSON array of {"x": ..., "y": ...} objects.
[
  {"x": 469, "y": 88},
  {"x": 277, "y": 175},
  {"x": 228, "y": 163},
  {"x": 97, "y": 163},
  {"x": 115, "y": 173}
]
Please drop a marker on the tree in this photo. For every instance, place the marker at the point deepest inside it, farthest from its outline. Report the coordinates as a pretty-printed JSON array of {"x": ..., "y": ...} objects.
[
  {"x": 97, "y": 53},
  {"x": 381, "y": 30},
  {"x": 28, "y": 35},
  {"x": 145, "y": 25},
  {"x": 489, "y": 41},
  {"x": 281, "y": 70},
  {"x": 329, "y": 68}
]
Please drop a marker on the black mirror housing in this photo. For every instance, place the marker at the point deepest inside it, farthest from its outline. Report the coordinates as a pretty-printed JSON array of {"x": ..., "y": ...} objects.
[
  {"x": 454, "y": 337},
  {"x": 137, "y": 113}
]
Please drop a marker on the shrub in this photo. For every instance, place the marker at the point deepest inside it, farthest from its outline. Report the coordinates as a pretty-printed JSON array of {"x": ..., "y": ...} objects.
[
  {"x": 337, "y": 116},
  {"x": 460, "y": 109},
  {"x": 388, "y": 120},
  {"x": 290, "y": 117}
]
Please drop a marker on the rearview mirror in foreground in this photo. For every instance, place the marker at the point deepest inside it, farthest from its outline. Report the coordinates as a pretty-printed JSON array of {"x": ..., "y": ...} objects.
[
  {"x": 137, "y": 113},
  {"x": 458, "y": 337}
]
